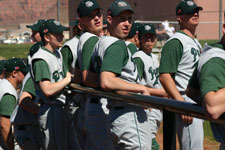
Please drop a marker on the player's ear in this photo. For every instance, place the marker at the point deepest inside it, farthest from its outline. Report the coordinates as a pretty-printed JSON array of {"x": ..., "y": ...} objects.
[
  {"x": 179, "y": 18},
  {"x": 47, "y": 37},
  {"x": 109, "y": 19}
]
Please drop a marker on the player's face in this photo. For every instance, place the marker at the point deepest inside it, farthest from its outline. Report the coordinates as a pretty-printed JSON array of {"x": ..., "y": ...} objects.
[
  {"x": 120, "y": 25},
  {"x": 94, "y": 22},
  {"x": 56, "y": 40},
  {"x": 190, "y": 19},
  {"x": 36, "y": 36},
  {"x": 19, "y": 76},
  {"x": 147, "y": 42}
]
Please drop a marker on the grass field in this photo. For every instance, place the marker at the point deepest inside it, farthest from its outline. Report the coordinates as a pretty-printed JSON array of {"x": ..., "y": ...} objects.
[
  {"x": 21, "y": 51},
  {"x": 14, "y": 50}
]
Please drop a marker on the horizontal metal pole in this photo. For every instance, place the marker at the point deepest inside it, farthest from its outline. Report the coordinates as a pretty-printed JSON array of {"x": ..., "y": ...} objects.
[
  {"x": 150, "y": 101},
  {"x": 175, "y": 22}
]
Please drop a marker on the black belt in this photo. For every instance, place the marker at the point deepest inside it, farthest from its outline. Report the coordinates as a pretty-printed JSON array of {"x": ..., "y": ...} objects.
[
  {"x": 94, "y": 101},
  {"x": 118, "y": 107}
]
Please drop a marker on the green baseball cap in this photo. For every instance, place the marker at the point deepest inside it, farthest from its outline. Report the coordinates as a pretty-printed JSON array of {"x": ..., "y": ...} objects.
[
  {"x": 74, "y": 23},
  {"x": 134, "y": 29},
  {"x": 86, "y": 7},
  {"x": 2, "y": 65},
  {"x": 187, "y": 7},
  {"x": 118, "y": 6},
  {"x": 52, "y": 26},
  {"x": 37, "y": 25},
  {"x": 146, "y": 28},
  {"x": 16, "y": 64}
]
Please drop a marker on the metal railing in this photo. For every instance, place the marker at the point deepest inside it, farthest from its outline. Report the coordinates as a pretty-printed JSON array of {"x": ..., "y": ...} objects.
[{"x": 169, "y": 106}]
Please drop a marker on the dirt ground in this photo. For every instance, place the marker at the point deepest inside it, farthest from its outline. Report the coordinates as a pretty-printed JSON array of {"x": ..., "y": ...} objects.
[{"x": 208, "y": 144}]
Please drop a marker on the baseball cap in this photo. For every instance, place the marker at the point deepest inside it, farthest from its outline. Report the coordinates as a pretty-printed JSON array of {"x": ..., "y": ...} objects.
[
  {"x": 146, "y": 28},
  {"x": 52, "y": 26},
  {"x": 36, "y": 26},
  {"x": 134, "y": 29},
  {"x": 187, "y": 7},
  {"x": 119, "y": 6},
  {"x": 74, "y": 23},
  {"x": 2, "y": 65},
  {"x": 86, "y": 7},
  {"x": 16, "y": 64}
]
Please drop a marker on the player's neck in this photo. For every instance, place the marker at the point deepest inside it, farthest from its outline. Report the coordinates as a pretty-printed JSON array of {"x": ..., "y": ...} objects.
[
  {"x": 189, "y": 32},
  {"x": 12, "y": 81}
]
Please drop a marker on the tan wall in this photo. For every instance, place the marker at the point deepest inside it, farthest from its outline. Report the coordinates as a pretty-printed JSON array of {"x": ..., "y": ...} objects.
[{"x": 159, "y": 10}]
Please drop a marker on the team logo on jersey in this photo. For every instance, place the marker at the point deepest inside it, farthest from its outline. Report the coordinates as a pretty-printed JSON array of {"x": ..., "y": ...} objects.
[
  {"x": 56, "y": 76},
  {"x": 195, "y": 53},
  {"x": 155, "y": 75},
  {"x": 122, "y": 4},
  {"x": 56, "y": 23},
  {"x": 89, "y": 4},
  {"x": 190, "y": 3},
  {"x": 147, "y": 27}
]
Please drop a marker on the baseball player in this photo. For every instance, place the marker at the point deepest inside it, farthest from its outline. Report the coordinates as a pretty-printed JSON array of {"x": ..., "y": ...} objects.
[
  {"x": 132, "y": 40},
  {"x": 50, "y": 81},
  {"x": 128, "y": 123},
  {"x": 179, "y": 57},
  {"x": 36, "y": 37},
  {"x": 147, "y": 65},
  {"x": 26, "y": 128},
  {"x": 91, "y": 19},
  {"x": 69, "y": 55},
  {"x": 15, "y": 70},
  {"x": 209, "y": 82}
]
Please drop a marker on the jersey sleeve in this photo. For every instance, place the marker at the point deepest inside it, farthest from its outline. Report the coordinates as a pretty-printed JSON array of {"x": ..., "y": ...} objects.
[
  {"x": 140, "y": 66},
  {"x": 171, "y": 55},
  {"x": 87, "y": 52},
  {"x": 7, "y": 105},
  {"x": 29, "y": 87},
  {"x": 67, "y": 58},
  {"x": 132, "y": 48},
  {"x": 115, "y": 58},
  {"x": 41, "y": 70},
  {"x": 212, "y": 76}
]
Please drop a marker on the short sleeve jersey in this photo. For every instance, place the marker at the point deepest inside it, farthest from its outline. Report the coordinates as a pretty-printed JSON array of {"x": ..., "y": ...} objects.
[
  {"x": 86, "y": 46},
  {"x": 69, "y": 54},
  {"x": 8, "y": 98},
  {"x": 29, "y": 87},
  {"x": 111, "y": 54},
  {"x": 147, "y": 65},
  {"x": 132, "y": 47},
  {"x": 211, "y": 77},
  {"x": 7, "y": 105},
  {"x": 48, "y": 66},
  {"x": 179, "y": 57}
]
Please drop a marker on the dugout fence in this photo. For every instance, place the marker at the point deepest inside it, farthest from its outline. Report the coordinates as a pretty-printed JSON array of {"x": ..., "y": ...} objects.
[
  {"x": 170, "y": 107},
  {"x": 205, "y": 30}
]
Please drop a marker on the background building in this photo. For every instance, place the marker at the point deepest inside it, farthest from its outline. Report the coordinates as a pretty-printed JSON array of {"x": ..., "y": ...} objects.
[{"x": 160, "y": 10}]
